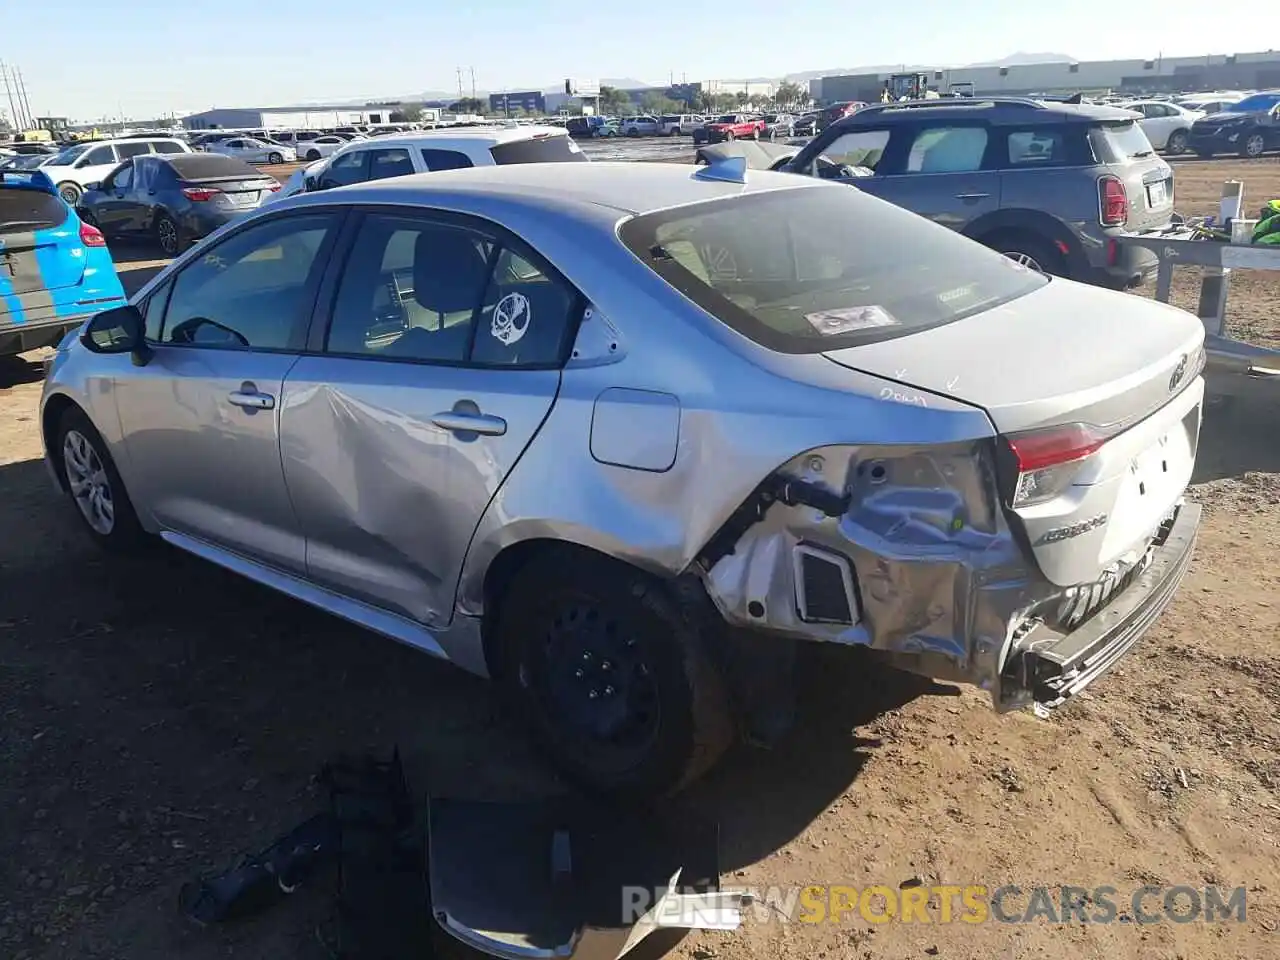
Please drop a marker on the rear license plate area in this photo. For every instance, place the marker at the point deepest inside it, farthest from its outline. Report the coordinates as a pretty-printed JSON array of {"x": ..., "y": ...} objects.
[{"x": 1159, "y": 194}]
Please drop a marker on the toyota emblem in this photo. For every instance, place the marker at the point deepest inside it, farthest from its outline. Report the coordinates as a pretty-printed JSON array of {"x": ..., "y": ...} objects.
[{"x": 1178, "y": 372}]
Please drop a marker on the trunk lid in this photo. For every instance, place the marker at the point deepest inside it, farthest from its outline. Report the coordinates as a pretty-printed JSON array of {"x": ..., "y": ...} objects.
[
  {"x": 39, "y": 245},
  {"x": 1062, "y": 355},
  {"x": 238, "y": 192},
  {"x": 1127, "y": 155}
]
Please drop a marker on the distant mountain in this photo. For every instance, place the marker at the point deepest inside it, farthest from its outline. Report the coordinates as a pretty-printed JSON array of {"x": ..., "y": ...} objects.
[{"x": 1022, "y": 59}]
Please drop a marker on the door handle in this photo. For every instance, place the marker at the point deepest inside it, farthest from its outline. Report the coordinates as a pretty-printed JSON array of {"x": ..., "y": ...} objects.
[
  {"x": 251, "y": 399},
  {"x": 456, "y": 421},
  {"x": 972, "y": 196}
]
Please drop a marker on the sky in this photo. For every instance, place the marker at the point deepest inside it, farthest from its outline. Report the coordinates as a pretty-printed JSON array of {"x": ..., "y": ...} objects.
[{"x": 143, "y": 58}]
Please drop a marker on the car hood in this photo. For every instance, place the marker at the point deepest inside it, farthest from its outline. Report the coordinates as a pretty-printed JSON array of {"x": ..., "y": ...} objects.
[{"x": 1063, "y": 352}]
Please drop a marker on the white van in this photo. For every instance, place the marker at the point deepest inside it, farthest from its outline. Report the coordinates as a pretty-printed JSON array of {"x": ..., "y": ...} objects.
[{"x": 77, "y": 166}]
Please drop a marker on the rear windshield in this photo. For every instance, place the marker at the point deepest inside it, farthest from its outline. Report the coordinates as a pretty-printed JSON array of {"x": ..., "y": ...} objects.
[
  {"x": 812, "y": 269},
  {"x": 23, "y": 209},
  {"x": 206, "y": 166},
  {"x": 1113, "y": 142},
  {"x": 548, "y": 149}
]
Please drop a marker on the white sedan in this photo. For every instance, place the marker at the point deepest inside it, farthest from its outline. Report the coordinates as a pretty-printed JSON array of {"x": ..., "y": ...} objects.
[
  {"x": 252, "y": 150},
  {"x": 1166, "y": 124},
  {"x": 320, "y": 147}
]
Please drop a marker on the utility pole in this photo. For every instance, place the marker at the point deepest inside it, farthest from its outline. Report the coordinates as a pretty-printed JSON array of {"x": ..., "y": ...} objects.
[
  {"x": 473, "y": 83},
  {"x": 26, "y": 101},
  {"x": 4, "y": 78},
  {"x": 460, "y": 93}
]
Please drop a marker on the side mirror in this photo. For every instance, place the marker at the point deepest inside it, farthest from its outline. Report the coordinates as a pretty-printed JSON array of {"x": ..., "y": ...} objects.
[
  {"x": 96, "y": 185},
  {"x": 119, "y": 330}
]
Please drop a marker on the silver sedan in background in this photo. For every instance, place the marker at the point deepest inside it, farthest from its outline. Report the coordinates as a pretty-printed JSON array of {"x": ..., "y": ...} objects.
[
  {"x": 252, "y": 150},
  {"x": 621, "y": 441}
]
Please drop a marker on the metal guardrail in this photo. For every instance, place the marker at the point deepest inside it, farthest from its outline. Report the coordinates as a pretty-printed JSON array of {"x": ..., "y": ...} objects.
[{"x": 1235, "y": 368}]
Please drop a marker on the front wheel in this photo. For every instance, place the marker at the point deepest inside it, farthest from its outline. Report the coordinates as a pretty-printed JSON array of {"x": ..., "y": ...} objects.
[
  {"x": 1033, "y": 252},
  {"x": 275, "y": 158},
  {"x": 1177, "y": 142},
  {"x": 94, "y": 484},
  {"x": 729, "y": 136},
  {"x": 313, "y": 155},
  {"x": 608, "y": 672},
  {"x": 755, "y": 134},
  {"x": 70, "y": 193},
  {"x": 1253, "y": 147}
]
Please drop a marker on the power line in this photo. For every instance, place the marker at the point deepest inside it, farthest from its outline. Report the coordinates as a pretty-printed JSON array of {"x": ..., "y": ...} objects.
[
  {"x": 13, "y": 112},
  {"x": 26, "y": 101}
]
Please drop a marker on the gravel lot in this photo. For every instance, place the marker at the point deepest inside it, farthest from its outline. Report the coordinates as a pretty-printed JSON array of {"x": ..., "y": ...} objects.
[{"x": 157, "y": 719}]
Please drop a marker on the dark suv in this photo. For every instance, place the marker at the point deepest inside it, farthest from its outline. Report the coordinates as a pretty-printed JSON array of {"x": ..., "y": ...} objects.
[
  {"x": 1049, "y": 184},
  {"x": 1249, "y": 128}
]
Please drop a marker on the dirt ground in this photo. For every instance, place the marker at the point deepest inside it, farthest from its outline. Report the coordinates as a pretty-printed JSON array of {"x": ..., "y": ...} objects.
[{"x": 157, "y": 719}]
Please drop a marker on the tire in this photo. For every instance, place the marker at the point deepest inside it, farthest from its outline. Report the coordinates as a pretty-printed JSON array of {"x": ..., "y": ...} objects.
[
  {"x": 275, "y": 158},
  {"x": 1177, "y": 142},
  {"x": 675, "y": 132},
  {"x": 1031, "y": 250},
  {"x": 70, "y": 193},
  {"x": 755, "y": 133},
  {"x": 1254, "y": 146},
  {"x": 572, "y": 633},
  {"x": 728, "y": 136},
  {"x": 85, "y": 460},
  {"x": 169, "y": 236},
  {"x": 313, "y": 155}
]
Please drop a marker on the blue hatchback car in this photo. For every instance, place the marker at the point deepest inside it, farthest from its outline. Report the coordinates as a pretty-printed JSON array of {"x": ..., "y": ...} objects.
[{"x": 55, "y": 271}]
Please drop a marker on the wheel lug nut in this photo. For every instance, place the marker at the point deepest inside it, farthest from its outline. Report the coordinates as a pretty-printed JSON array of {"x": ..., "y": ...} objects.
[
  {"x": 608, "y": 691},
  {"x": 586, "y": 656},
  {"x": 593, "y": 694},
  {"x": 578, "y": 673},
  {"x": 606, "y": 665}
]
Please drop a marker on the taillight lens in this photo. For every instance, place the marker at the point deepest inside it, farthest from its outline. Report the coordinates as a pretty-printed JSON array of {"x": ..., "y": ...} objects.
[
  {"x": 1113, "y": 202},
  {"x": 91, "y": 236},
  {"x": 274, "y": 188},
  {"x": 199, "y": 194},
  {"x": 1048, "y": 460}
]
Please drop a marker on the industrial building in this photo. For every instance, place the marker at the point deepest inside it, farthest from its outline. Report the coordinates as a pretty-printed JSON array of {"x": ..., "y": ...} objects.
[
  {"x": 1243, "y": 71},
  {"x": 530, "y": 101},
  {"x": 292, "y": 118}
]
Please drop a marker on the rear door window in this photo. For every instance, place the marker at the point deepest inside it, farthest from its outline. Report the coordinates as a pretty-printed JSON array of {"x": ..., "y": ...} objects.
[
  {"x": 390, "y": 162},
  {"x": 445, "y": 159},
  {"x": 137, "y": 149},
  {"x": 1036, "y": 147},
  {"x": 166, "y": 146},
  {"x": 538, "y": 149}
]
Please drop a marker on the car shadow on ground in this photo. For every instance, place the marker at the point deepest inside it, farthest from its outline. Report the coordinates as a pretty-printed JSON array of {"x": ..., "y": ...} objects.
[
  {"x": 20, "y": 369},
  {"x": 136, "y": 263},
  {"x": 136, "y": 687},
  {"x": 1238, "y": 438}
]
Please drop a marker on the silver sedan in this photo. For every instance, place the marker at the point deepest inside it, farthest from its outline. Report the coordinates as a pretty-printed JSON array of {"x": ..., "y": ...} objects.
[
  {"x": 252, "y": 150},
  {"x": 621, "y": 440}
]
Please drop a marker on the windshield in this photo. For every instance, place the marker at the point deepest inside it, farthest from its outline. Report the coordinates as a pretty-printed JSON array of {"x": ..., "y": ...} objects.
[
  {"x": 1258, "y": 102},
  {"x": 70, "y": 155},
  {"x": 544, "y": 148},
  {"x": 827, "y": 272}
]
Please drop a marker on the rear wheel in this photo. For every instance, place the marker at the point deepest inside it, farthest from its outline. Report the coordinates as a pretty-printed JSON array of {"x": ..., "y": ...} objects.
[
  {"x": 1030, "y": 250},
  {"x": 94, "y": 484},
  {"x": 169, "y": 237},
  {"x": 70, "y": 193},
  {"x": 728, "y": 135},
  {"x": 1254, "y": 146},
  {"x": 313, "y": 154},
  {"x": 275, "y": 158},
  {"x": 755, "y": 133},
  {"x": 608, "y": 672},
  {"x": 1177, "y": 142}
]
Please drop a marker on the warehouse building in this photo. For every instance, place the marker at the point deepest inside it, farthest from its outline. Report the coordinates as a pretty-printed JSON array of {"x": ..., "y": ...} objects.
[
  {"x": 1244, "y": 71},
  {"x": 292, "y": 118}
]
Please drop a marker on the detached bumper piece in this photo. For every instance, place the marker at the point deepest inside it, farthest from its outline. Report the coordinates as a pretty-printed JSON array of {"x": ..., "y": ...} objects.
[
  {"x": 561, "y": 879},
  {"x": 1055, "y": 666}
]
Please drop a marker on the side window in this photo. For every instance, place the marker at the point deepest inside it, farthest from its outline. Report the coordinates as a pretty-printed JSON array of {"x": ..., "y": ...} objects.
[
  {"x": 445, "y": 159},
  {"x": 135, "y": 149},
  {"x": 167, "y": 146},
  {"x": 153, "y": 312},
  {"x": 391, "y": 162},
  {"x": 250, "y": 292},
  {"x": 410, "y": 291},
  {"x": 122, "y": 178},
  {"x": 525, "y": 315},
  {"x": 98, "y": 156},
  {"x": 947, "y": 150},
  {"x": 860, "y": 148},
  {"x": 1037, "y": 148},
  {"x": 345, "y": 168}
]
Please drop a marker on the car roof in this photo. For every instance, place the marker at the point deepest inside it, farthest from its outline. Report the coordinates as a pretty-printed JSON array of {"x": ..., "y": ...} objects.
[
  {"x": 995, "y": 110},
  {"x": 491, "y": 136},
  {"x": 618, "y": 186}
]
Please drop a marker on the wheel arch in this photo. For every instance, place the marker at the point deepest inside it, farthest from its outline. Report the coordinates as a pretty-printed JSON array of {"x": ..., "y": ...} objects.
[
  {"x": 54, "y": 409},
  {"x": 1034, "y": 222}
]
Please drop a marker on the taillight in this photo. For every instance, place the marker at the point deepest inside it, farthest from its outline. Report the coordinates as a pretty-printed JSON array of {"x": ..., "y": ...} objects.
[
  {"x": 1113, "y": 202},
  {"x": 199, "y": 194},
  {"x": 91, "y": 236},
  {"x": 1048, "y": 460}
]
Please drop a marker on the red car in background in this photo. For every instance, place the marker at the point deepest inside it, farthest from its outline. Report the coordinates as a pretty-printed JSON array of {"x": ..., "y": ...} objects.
[
  {"x": 838, "y": 111},
  {"x": 735, "y": 126}
]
